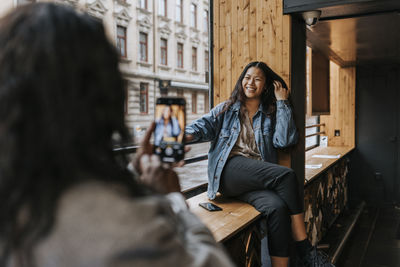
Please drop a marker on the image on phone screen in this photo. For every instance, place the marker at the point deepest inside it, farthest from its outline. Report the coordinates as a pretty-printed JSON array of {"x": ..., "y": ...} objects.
[{"x": 170, "y": 126}]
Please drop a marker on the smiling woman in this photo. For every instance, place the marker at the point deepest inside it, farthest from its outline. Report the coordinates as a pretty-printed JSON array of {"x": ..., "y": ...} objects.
[{"x": 245, "y": 132}]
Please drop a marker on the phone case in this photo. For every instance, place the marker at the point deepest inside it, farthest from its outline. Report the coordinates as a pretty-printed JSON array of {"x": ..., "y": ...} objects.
[{"x": 210, "y": 206}]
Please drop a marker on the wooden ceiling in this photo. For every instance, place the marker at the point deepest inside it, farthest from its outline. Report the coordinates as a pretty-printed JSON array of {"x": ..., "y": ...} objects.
[{"x": 358, "y": 32}]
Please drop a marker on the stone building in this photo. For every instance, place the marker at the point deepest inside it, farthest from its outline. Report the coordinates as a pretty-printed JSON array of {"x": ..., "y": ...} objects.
[{"x": 160, "y": 42}]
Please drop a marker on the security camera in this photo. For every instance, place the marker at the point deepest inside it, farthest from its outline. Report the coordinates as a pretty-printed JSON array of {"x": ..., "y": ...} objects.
[{"x": 311, "y": 17}]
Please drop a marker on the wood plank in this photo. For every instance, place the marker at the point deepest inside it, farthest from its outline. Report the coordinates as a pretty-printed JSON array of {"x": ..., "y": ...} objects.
[
  {"x": 235, "y": 43},
  {"x": 252, "y": 32},
  {"x": 234, "y": 217}
]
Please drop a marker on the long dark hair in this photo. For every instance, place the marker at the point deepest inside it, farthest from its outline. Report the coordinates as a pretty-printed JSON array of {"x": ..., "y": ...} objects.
[
  {"x": 61, "y": 103},
  {"x": 268, "y": 99}
]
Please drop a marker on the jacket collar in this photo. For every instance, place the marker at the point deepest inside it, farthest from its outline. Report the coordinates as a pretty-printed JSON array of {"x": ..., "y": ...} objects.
[{"x": 237, "y": 104}]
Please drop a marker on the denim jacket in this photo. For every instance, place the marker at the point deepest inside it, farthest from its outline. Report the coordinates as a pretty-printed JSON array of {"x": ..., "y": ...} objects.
[{"x": 223, "y": 131}]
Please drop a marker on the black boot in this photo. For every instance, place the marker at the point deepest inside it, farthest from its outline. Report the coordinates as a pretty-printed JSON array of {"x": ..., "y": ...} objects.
[{"x": 316, "y": 258}]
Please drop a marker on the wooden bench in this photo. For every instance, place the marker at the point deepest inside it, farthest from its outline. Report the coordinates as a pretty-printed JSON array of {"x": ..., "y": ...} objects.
[{"x": 235, "y": 226}]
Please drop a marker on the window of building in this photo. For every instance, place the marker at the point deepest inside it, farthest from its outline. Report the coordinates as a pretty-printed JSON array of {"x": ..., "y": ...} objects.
[
  {"x": 194, "y": 58},
  {"x": 179, "y": 11},
  {"x": 143, "y": 46},
  {"x": 143, "y": 4},
  {"x": 121, "y": 41},
  {"x": 180, "y": 55},
  {"x": 162, "y": 8},
  {"x": 164, "y": 51},
  {"x": 126, "y": 106},
  {"x": 194, "y": 102},
  {"x": 179, "y": 92},
  {"x": 206, "y": 20},
  {"x": 193, "y": 17},
  {"x": 206, "y": 61},
  {"x": 206, "y": 102},
  {"x": 143, "y": 98}
]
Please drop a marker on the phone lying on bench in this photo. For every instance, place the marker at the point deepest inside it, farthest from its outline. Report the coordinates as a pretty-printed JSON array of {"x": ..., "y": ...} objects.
[{"x": 210, "y": 206}]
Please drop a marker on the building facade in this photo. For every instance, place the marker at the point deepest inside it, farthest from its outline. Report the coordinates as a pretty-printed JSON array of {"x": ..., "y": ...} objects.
[{"x": 161, "y": 43}]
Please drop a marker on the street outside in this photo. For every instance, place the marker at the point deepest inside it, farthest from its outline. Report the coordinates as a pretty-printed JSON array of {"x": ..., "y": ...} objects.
[{"x": 194, "y": 174}]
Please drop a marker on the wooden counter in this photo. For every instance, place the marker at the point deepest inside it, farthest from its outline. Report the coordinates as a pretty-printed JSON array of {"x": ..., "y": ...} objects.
[{"x": 325, "y": 162}]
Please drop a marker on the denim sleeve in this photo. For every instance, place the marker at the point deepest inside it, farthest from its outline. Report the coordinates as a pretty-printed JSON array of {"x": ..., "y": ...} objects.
[
  {"x": 285, "y": 129},
  {"x": 207, "y": 127}
]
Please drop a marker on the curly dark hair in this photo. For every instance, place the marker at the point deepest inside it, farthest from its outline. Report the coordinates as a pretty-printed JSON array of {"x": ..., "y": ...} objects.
[
  {"x": 268, "y": 99},
  {"x": 61, "y": 107}
]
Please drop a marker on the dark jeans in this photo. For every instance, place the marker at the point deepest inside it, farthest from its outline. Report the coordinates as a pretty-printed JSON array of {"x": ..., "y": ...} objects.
[{"x": 272, "y": 189}]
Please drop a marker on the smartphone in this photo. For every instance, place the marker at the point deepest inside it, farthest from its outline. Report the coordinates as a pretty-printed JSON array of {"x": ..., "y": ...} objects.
[
  {"x": 170, "y": 118},
  {"x": 210, "y": 206}
]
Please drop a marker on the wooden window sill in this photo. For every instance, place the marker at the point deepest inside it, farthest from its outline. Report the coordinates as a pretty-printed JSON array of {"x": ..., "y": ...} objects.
[{"x": 324, "y": 163}]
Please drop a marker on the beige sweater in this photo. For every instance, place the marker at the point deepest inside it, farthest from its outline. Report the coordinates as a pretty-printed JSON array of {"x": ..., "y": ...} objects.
[{"x": 97, "y": 225}]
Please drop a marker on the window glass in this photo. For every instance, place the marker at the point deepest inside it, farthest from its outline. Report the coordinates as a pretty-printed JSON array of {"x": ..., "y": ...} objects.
[
  {"x": 143, "y": 47},
  {"x": 162, "y": 8},
  {"x": 121, "y": 41},
  {"x": 164, "y": 52},
  {"x": 143, "y": 4},
  {"x": 179, "y": 11},
  {"x": 143, "y": 97},
  {"x": 193, "y": 17},
  {"x": 180, "y": 55},
  {"x": 194, "y": 58}
]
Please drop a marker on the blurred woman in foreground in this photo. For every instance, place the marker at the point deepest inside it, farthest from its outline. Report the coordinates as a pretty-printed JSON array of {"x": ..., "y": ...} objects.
[{"x": 65, "y": 199}]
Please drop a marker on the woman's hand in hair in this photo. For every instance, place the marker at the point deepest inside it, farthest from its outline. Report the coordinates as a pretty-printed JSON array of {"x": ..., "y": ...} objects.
[
  {"x": 281, "y": 93},
  {"x": 161, "y": 178}
]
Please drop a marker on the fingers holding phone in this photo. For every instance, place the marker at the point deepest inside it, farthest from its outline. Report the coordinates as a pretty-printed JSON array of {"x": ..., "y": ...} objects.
[{"x": 155, "y": 175}]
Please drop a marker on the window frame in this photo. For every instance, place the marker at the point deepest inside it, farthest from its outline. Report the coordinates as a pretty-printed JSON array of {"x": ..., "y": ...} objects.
[
  {"x": 194, "y": 58},
  {"x": 124, "y": 39},
  {"x": 164, "y": 52},
  {"x": 145, "y": 45},
  {"x": 144, "y": 86},
  {"x": 193, "y": 15},
  {"x": 163, "y": 11},
  {"x": 141, "y": 4},
  {"x": 206, "y": 24},
  {"x": 179, "y": 10},
  {"x": 179, "y": 52},
  {"x": 194, "y": 103}
]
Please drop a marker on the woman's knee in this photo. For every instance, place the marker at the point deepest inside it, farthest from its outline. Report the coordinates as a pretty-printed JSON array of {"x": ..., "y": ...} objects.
[
  {"x": 290, "y": 177},
  {"x": 277, "y": 207}
]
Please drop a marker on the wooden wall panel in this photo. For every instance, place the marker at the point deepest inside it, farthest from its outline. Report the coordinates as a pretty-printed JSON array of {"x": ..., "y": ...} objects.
[
  {"x": 342, "y": 98},
  {"x": 246, "y": 31},
  {"x": 257, "y": 30},
  {"x": 319, "y": 84}
]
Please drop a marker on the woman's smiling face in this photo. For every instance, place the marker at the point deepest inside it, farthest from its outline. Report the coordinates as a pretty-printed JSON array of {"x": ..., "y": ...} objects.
[{"x": 253, "y": 83}]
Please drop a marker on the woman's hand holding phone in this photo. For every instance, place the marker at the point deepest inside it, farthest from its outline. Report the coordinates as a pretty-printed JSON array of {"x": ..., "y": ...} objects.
[
  {"x": 153, "y": 172},
  {"x": 161, "y": 179}
]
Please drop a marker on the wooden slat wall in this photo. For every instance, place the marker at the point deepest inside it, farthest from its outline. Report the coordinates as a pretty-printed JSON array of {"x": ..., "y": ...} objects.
[
  {"x": 246, "y": 31},
  {"x": 342, "y": 97}
]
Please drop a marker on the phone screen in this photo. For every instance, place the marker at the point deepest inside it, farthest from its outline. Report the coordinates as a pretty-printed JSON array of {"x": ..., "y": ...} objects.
[{"x": 170, "y": 118}]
